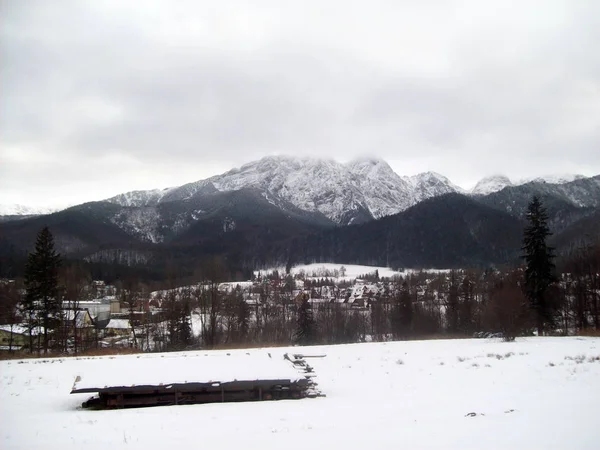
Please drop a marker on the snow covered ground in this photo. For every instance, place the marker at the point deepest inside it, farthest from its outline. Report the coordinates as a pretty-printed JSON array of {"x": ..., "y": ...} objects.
[
  {"x": 536, "y": 393},
  {"x": 352, "y": 271},
  {"x": 179, "y": 368}
]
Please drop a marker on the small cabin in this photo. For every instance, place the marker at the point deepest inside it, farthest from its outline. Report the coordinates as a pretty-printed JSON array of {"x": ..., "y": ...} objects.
[{"x": 15, "y": 337}]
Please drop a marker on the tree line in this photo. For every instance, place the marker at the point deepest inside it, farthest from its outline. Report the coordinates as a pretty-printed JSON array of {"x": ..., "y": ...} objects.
[{"x": 508, "y": 302}]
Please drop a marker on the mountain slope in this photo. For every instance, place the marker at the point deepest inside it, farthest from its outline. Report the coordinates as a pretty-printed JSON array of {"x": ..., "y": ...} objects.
[
  {"x": 359, "y": 191},
  {"x": 77, "y": 230},
  {"x": 235, "y": 224},
  {"x": 139, "y": 198},
  {"x": 280, "y": 209},
  {"x": 582, "y": 232},
  {"x": 312, "y": 185},
  {"x": 566, "y": 203},
  {"x": 384, "y": 191},
  {"x": 452, "y": 230},
  {"x": 344, "y": 193}
]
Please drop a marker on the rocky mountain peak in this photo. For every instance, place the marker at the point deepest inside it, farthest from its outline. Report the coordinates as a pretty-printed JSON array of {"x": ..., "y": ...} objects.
[{"x": 492, "y": 183}]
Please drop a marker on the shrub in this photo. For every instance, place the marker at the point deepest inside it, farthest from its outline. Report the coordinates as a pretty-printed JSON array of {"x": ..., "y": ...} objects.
[{"x": 507, "y": 311}]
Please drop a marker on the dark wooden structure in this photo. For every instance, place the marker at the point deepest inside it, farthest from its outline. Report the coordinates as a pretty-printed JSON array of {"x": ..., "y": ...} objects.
[{"x": 199, "y": 392}]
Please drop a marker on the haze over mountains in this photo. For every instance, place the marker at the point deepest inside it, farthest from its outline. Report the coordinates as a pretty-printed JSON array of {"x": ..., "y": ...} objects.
[{"x": 287, "y": 210}]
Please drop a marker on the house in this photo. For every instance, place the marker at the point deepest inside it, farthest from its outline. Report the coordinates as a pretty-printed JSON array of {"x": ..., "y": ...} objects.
[
  {"x": 363, "y": 295},
  {"x": 118, "y": 333},
  {"x": 118, "y": 327},
  {"x": 80, "y": 326},
  {"x": 95, "y": 307},
  {"x": 115, "y": 305},
  {"x": 15, "y": 337},
  {"x": 81, "y": 317}
]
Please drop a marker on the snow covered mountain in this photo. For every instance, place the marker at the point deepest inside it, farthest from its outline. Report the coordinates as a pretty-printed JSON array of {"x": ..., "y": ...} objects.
[
  {"x": 22, "y": 210},
  {"x": 431, "y": 184},
  {"x": 495, "y": 183},
  {"x": 140, "y": 198},
  {"x": 345, "y": 193},
  {"x": 491, "y": 184},
  {"x": 350, "y": 193},
  {"x": 384, "y": 191},
  {"x": 554, "y": 179},
  {"x": 281, "y": 209},
  {"x": 309, "y": 184}
]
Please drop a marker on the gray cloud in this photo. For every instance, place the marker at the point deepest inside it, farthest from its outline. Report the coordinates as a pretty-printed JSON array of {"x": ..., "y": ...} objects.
[{"x": 104, "y": 97}]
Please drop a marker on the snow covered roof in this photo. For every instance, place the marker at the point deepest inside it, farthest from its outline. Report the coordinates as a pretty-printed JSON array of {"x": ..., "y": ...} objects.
[
  {"x": 21, "y": 329},
  {"x": 82, "y": 317},
  {"x": 119, "y": 324},
  {"x": 360, "y": 290}
]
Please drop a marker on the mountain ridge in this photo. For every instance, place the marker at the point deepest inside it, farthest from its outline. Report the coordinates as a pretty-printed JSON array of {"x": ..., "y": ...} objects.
[
  {"x": 267, "y": 210},
  {"x": 357, "y": 191},
  {"x": 346, "y": 193}
]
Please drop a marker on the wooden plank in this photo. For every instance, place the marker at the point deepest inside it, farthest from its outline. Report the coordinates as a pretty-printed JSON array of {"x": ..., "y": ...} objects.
[{"x": 206, "y": 392}]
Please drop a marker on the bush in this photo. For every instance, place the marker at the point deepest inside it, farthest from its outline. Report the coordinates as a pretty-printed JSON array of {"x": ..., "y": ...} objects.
[{"x": 507, "y": 311}]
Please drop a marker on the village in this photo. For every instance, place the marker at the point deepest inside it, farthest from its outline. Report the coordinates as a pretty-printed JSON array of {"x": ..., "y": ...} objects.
[
  {"x": 341, "y": 305},
  {"x": 111, "y": 316}
]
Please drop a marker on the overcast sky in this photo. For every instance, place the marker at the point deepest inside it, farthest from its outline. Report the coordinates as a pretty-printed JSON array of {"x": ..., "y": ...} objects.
[{"x": 102, "y": 97}]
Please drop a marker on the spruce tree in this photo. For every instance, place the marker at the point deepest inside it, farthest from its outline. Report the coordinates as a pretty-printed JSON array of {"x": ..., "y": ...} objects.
[
  {"x": 242, "y": 318},
  {"x": 452, "y": 304},
  {"x": 465, "y": 312},
  {"x": 42, "y": 302},
  {"x": 184, "y": 326},
  {"x": 406, "y": 312},
  {"x": 306, "y": 323},
  {"x": 539, "y": 271}
]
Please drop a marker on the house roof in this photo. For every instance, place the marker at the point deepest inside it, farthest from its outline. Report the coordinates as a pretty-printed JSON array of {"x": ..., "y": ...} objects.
[
  {"x": 119, "y": 324},
  {"x": 21, "y": 329},
  {"x": 81, "y": 316}
]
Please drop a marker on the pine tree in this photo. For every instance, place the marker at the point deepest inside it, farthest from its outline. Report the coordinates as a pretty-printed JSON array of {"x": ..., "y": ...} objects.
[
  {"x": 465, "y": 312},
  {"x": 402, "y": 312},
  {"x": 42, "y": 302},
  {"x": 242, "y": 318},
  {"x": 539, "y": 272},
  {"x": 306, "y": 323},
  {"x": 452, "y": 304},
  {"x": 184, "y": 326},
  {"x": 406, "y": 312}
]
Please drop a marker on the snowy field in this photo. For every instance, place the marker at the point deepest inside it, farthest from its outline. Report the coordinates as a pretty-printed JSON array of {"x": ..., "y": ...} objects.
[
  {"x": 190, "y": 367},
  {"x": 352, "y": 271},
  {"x": 536, "y": 393}
]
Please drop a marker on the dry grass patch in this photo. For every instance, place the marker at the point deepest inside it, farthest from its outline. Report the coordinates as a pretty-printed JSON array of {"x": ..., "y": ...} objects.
[{"x": 589, "y": 333}]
